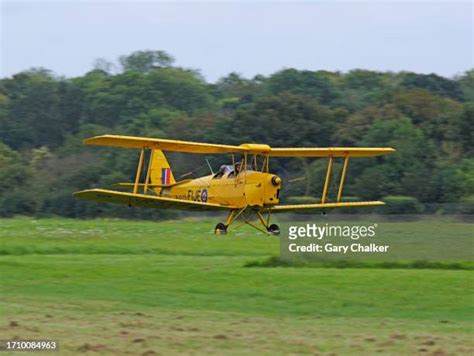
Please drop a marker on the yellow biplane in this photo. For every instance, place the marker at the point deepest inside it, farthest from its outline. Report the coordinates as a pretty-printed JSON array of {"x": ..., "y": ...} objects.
[{"x": 244, "y": 188}]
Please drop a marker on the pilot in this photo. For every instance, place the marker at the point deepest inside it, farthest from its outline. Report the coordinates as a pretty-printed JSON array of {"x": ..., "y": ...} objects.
[
  {"x": 238, "y": 166},
  {"x": 222, "y": 171}
]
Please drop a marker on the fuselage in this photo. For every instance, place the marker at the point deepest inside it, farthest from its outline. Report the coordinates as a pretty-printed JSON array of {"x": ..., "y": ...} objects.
[{"x": 248, "y": 188}]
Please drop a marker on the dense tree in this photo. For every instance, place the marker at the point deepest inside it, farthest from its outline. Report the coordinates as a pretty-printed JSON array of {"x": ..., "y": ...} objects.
[
  {"x": 16, "y": 176},
  {"x": 41, "y": 110},
  {"x": 439, "y": 118},
  {"x": 466, "y": 82},
  {"x": 235, "y": 86},
  {"x": 404, "y": 173},
  {"x": 357, "y": 124},
  {"x": 432, "y": 82},
  {"x": 320, "y": 85},
  {"x": 282, "y": 120},
  {"x": 103, "y": 65},
  {"x": 43, "y": 119},
  {"x": 145, "y": 61}
]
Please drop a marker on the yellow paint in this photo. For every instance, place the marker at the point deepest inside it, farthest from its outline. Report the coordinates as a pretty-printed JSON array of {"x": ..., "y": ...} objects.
[
  {"x": 250, "y": 189},
  {"x": 210, "y": 148},
  {"x": 158, "y": 163},
  {"x": 139, "y": 170},
  {"x": 148, "y": 171},
  {"x": 343, "y": 177},
  {"x": 326, "y": 183}
]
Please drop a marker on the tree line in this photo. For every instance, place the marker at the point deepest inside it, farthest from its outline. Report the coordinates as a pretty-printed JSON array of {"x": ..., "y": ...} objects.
[{"x": 429, "y": 119}]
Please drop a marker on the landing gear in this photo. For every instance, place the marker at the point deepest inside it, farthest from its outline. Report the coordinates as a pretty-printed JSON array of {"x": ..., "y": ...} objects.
[
  {"x": 220, "y": 229},
  {"x": 246, "y": 215},
  {"x": 274, "y": 229}
]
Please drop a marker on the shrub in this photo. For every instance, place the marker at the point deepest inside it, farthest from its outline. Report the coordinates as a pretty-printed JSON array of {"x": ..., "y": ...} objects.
[
  {"x": 399, "y": 204},
  {"x": 18, "y": 202},
  {"x": 467, "y": 205}
]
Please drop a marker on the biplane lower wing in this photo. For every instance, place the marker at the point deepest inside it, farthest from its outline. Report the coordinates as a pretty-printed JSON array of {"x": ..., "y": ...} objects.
[
  {"x": 305, "y": 207},
  {"x": 146, "y": 201}
]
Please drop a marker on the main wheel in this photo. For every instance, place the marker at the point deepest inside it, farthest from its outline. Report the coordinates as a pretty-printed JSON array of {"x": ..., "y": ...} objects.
[
  {"x": 220, "y": 229},
  {"x": 274, "y": 229}
]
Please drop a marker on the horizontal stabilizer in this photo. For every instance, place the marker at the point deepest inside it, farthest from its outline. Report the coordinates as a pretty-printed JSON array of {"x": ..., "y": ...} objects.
[{"x": 130, "y": 185}]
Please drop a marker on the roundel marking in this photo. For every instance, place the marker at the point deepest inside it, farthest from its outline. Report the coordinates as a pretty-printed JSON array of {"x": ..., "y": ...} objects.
[{"x": 204, "y": 195}]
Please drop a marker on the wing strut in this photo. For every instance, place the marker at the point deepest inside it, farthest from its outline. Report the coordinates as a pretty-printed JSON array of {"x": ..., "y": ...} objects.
[
  {"x": 139, "y": 170},
  {"x": 343, "y": 177},
  {"x": 148, "y": 172},
  {"x": 326, "y": 183}
]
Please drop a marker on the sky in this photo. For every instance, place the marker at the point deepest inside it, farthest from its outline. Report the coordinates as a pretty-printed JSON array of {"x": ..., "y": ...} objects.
[{"x": 245, "y": 37}]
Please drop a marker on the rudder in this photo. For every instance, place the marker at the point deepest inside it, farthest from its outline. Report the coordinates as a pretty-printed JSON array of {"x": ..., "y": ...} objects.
[{"x": 160, "y": 170}]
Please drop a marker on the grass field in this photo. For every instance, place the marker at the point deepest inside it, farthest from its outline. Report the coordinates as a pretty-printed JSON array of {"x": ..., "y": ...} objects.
[{"x": 122, "y": 287}]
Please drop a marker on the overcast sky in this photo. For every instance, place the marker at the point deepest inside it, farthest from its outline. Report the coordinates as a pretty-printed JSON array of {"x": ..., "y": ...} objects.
[{"x": 246, "y": 37}]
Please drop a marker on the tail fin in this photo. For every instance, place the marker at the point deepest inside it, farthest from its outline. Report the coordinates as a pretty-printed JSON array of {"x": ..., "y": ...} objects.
[{"x": 160, "y": 172}]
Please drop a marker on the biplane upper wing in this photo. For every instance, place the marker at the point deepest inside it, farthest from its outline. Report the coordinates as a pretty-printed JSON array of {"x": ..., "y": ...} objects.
[
  {"x": 162, "y": 144},
  {"x": 331, "y": 151},
  {"x": 307, "y": 207},
  {"x": 210, "y": 148},
  {"x": 146, "y": 201}
]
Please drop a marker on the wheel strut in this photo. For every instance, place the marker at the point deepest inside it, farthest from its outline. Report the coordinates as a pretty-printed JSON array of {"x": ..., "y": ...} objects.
[{"x": 234, "y": 214}]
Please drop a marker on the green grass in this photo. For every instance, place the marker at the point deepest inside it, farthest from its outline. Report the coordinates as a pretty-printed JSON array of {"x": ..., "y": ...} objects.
[
  {"x": 117, "y": 287},
  {"x": 277, "y": 261}
]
